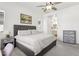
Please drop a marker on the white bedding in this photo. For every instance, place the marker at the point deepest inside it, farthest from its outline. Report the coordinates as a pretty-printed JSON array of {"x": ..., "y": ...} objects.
[{"x": 35, "y": 42}]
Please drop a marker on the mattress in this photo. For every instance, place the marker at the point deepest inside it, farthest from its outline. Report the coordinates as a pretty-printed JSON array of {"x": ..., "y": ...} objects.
[{"x": 36, "y": 42}]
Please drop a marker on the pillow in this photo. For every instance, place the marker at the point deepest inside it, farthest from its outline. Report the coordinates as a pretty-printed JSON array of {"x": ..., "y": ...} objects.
[
  {"x": 35, "y": 32},
  {"x": 24, "y": 32}
]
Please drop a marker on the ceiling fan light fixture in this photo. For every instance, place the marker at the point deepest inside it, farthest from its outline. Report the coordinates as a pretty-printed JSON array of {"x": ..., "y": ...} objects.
[{"x": 49, "y": 7}]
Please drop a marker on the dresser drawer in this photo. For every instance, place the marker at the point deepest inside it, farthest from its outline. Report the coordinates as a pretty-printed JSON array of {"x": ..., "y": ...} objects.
[{"x": 69, "y": 36}]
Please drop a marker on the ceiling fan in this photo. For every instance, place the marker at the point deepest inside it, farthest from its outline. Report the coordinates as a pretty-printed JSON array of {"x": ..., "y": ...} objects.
[{"x": 49, "y": 6}]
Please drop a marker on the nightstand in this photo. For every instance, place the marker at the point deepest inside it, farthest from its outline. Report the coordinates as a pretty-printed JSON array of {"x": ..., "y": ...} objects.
[{"x": 4, "y": 41}]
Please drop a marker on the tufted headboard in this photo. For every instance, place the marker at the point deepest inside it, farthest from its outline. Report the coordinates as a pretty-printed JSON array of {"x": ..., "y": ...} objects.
[{"x": 22, "y": 27}]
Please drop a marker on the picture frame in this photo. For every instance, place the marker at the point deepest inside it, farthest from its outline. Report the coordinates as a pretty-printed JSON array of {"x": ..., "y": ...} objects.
[{"x": 25, "y": 19}]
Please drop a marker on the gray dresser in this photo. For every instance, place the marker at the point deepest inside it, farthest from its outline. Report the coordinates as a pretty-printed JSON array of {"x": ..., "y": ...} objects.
[{"x": 69, "y": 36}]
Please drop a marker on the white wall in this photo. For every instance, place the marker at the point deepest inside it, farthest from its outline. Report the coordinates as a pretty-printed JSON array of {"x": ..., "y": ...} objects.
[
  {"x": 12, "y": 15},
  {"x": 68, "y": 19}
]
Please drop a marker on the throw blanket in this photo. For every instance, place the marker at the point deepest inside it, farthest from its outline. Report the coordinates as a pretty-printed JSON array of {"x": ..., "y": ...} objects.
[{"x": 8, "y": 49}]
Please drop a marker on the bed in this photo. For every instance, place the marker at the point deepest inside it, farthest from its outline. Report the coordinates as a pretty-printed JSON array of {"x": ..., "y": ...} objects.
[{"x": 33, "y": 45}]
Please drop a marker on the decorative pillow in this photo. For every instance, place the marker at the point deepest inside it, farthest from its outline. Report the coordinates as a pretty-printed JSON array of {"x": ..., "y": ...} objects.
[{"x": 24, "y": 32}]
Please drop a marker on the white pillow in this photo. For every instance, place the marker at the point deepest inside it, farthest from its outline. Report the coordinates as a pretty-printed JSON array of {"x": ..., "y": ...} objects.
[
  {"x": 35, "y": 32},
  {"x": 24, "y": 32}
]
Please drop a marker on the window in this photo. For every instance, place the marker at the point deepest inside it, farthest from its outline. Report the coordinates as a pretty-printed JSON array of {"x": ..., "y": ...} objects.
[
  {"x": 1, "y": 20},
  {"x": 1, "y": 28}
]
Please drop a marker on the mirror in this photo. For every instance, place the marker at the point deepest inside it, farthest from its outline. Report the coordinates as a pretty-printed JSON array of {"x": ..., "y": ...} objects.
[{"x": 1, "y": 20}]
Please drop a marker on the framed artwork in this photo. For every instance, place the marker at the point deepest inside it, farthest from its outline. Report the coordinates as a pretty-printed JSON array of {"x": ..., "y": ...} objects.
[{"x": 25, "y": 19}]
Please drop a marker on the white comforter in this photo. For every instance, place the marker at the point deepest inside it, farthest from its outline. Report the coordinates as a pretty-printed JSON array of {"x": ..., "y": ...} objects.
[{"x": 35, "y": 42}]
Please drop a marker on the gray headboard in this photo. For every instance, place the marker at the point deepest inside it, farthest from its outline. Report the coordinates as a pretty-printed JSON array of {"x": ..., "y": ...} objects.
[{"x": 22, "y": 27}]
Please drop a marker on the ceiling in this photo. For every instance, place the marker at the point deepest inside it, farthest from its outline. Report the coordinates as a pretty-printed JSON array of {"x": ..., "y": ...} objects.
[
  {"x": 66, "y": 5},
  {"x": 32, "y": 5}
]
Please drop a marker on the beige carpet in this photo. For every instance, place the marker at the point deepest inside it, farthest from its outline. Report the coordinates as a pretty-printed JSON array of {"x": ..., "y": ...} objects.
[{"x": 61, "y": 49}]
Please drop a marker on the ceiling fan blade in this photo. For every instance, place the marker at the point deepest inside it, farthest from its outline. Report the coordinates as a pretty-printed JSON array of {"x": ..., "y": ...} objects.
[
  {"x": 51, "y": 3},
  {"x": 56, "y": 2},
  {"x": 42, "y": 6},
  {"x": 54, "y": 8},
  {"x": 44, "y": 9}
]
